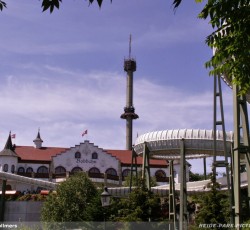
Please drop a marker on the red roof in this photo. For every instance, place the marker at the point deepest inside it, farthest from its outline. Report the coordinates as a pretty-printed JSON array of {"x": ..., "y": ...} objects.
[
  {"x": 30, "y": 153},
  {"x": 125, "y": 156},
  {"x": 34, "y": 154}
]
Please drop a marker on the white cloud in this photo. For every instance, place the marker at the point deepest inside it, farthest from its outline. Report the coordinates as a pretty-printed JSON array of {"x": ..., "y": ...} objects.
[
  {"x": 49, "y": 86},
  {"x": 94, "y": 101}
]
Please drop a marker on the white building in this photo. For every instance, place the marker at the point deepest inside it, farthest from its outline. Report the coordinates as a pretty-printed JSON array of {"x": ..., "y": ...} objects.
[{"x": 55, "y": 164}]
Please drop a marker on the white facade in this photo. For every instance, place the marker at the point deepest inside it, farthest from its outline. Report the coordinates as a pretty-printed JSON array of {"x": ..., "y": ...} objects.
[
  {"x": 85, "y": 156},
  {"x": 8, "y": 164}
]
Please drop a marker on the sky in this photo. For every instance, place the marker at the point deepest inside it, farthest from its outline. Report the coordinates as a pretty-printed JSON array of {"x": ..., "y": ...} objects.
[{"x": 63, "y": 72}]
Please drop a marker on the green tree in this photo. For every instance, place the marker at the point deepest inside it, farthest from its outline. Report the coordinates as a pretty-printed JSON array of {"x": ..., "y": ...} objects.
[
  {"x": 135, "y": 180},
  {"x": 230, "y": 20},
  {"x": 140, "y": 205},
  {"x": 214, "y": 208},
  {"x": 230, "y": 39},
  {"x": 195, "y": 176},
  {"x": 76, "y": 199}
]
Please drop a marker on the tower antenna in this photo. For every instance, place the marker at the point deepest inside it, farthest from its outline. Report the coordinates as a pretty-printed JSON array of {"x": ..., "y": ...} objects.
[{"x": 130, "y": 40}]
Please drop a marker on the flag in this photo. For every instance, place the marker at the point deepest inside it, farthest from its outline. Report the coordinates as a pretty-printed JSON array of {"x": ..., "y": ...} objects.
[
  {"x": 85, "y": 132},
  {"x": 13, "y": 135}
]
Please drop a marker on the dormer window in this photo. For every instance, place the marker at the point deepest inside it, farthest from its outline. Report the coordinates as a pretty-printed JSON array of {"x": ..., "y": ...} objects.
[
  {"x": 94, "y": 155},
  {"x": 77, "y": 155}
]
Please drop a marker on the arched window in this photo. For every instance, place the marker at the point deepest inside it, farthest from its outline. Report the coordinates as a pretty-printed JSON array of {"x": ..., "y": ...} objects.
[
  {"x": 94, "y": 170},
  {"x": 21, "y": 170},
  {"x": 160, "y": 173},
  {"x": 60, "y": 169},
  {"x": 76, "y": 169},
  {"x": 29, "y": 170},
  {"x": 77, "y": 155},
  {"x": 111, "y": 171},
  {"x": 94, "y": 155},
  {"x": 125, "y": 172},
  {"x": 5, "y": 168},
  {"x": 12, "y": 168},
  {"x": 42, "y": 169}
]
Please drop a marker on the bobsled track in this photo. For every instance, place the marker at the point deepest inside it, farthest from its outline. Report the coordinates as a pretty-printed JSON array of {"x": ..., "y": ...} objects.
[
  {"x": 192, "y": 187},
  {"x": 164, "y": 145},
  {"x": 27, "y": 180}
]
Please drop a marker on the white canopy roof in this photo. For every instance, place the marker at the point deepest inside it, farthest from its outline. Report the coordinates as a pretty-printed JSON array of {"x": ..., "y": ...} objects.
[{"x": 199, "y": 143}]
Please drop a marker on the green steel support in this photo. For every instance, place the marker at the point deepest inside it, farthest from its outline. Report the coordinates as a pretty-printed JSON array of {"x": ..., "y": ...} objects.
[
  {"x": 205, "y": 167},
  {"x": 2, "y": 207},
  {"x": 172, "y": 203},
  {"x": 232, "y": 181},
  {"x": 146, "y": 166},
  {"x": 236, "y": 158},
  {"x": 219, "y": 121},
  {"x": 183, "y": 221},
  {"x": 133, "y": 169},
  {"x": 246, "y": 144},
  {"x": 241, "y": 150}
]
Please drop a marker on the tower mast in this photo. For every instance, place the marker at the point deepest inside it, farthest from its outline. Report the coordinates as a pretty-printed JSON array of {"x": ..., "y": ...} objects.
[{"x": 129, "y": 110}]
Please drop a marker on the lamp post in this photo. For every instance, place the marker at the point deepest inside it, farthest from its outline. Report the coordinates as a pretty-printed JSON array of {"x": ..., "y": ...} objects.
[
  {"x": 105, "y": 198},
  {"x": 149, "y": 214}
]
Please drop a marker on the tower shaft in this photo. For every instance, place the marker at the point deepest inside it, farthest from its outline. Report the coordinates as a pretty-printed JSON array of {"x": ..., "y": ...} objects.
[
  {"x": 129, "y": 101},
  {"x": 129, "y": 111}
]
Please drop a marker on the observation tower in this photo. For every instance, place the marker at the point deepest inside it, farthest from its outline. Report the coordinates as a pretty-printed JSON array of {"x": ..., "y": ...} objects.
[{"x": 129, "y": 110}]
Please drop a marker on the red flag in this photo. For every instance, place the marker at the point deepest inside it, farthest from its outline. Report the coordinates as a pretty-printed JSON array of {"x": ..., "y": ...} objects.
[
  {"x": 85, "y": 132},
  {"x": 13, "y": 135}
]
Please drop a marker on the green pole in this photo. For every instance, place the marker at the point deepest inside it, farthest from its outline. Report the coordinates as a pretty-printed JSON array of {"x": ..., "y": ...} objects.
[
  {"x": 3, "y": 201},
  {"x": 183, "y": 189},
  {"x": 236, "y": 159},
  {"x": 205, "y": 167},
  {"x": 146, "y": 166},
  {"x": 172, "y": 203}
]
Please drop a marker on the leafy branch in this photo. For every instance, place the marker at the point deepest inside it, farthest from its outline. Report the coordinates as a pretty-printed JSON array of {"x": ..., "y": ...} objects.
[
  {"x": 230, "y": 40},
  {"x": 51, "y": 4},
  {"x": 2, "y": 5}
]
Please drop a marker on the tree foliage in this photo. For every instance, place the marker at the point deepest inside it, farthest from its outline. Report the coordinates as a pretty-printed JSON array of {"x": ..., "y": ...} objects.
[
  {"x": 230, "y": 40},
  {"x": 153, "y": 181},
  {"x": 195, "y": 176},
  {"x": 76, "y": 199},
  {"x": 140, "y": 205},
  {"x": 214, "y": 208},
  {"x": 2, "y": 5},
  {"x": 51, "y": 4}
]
